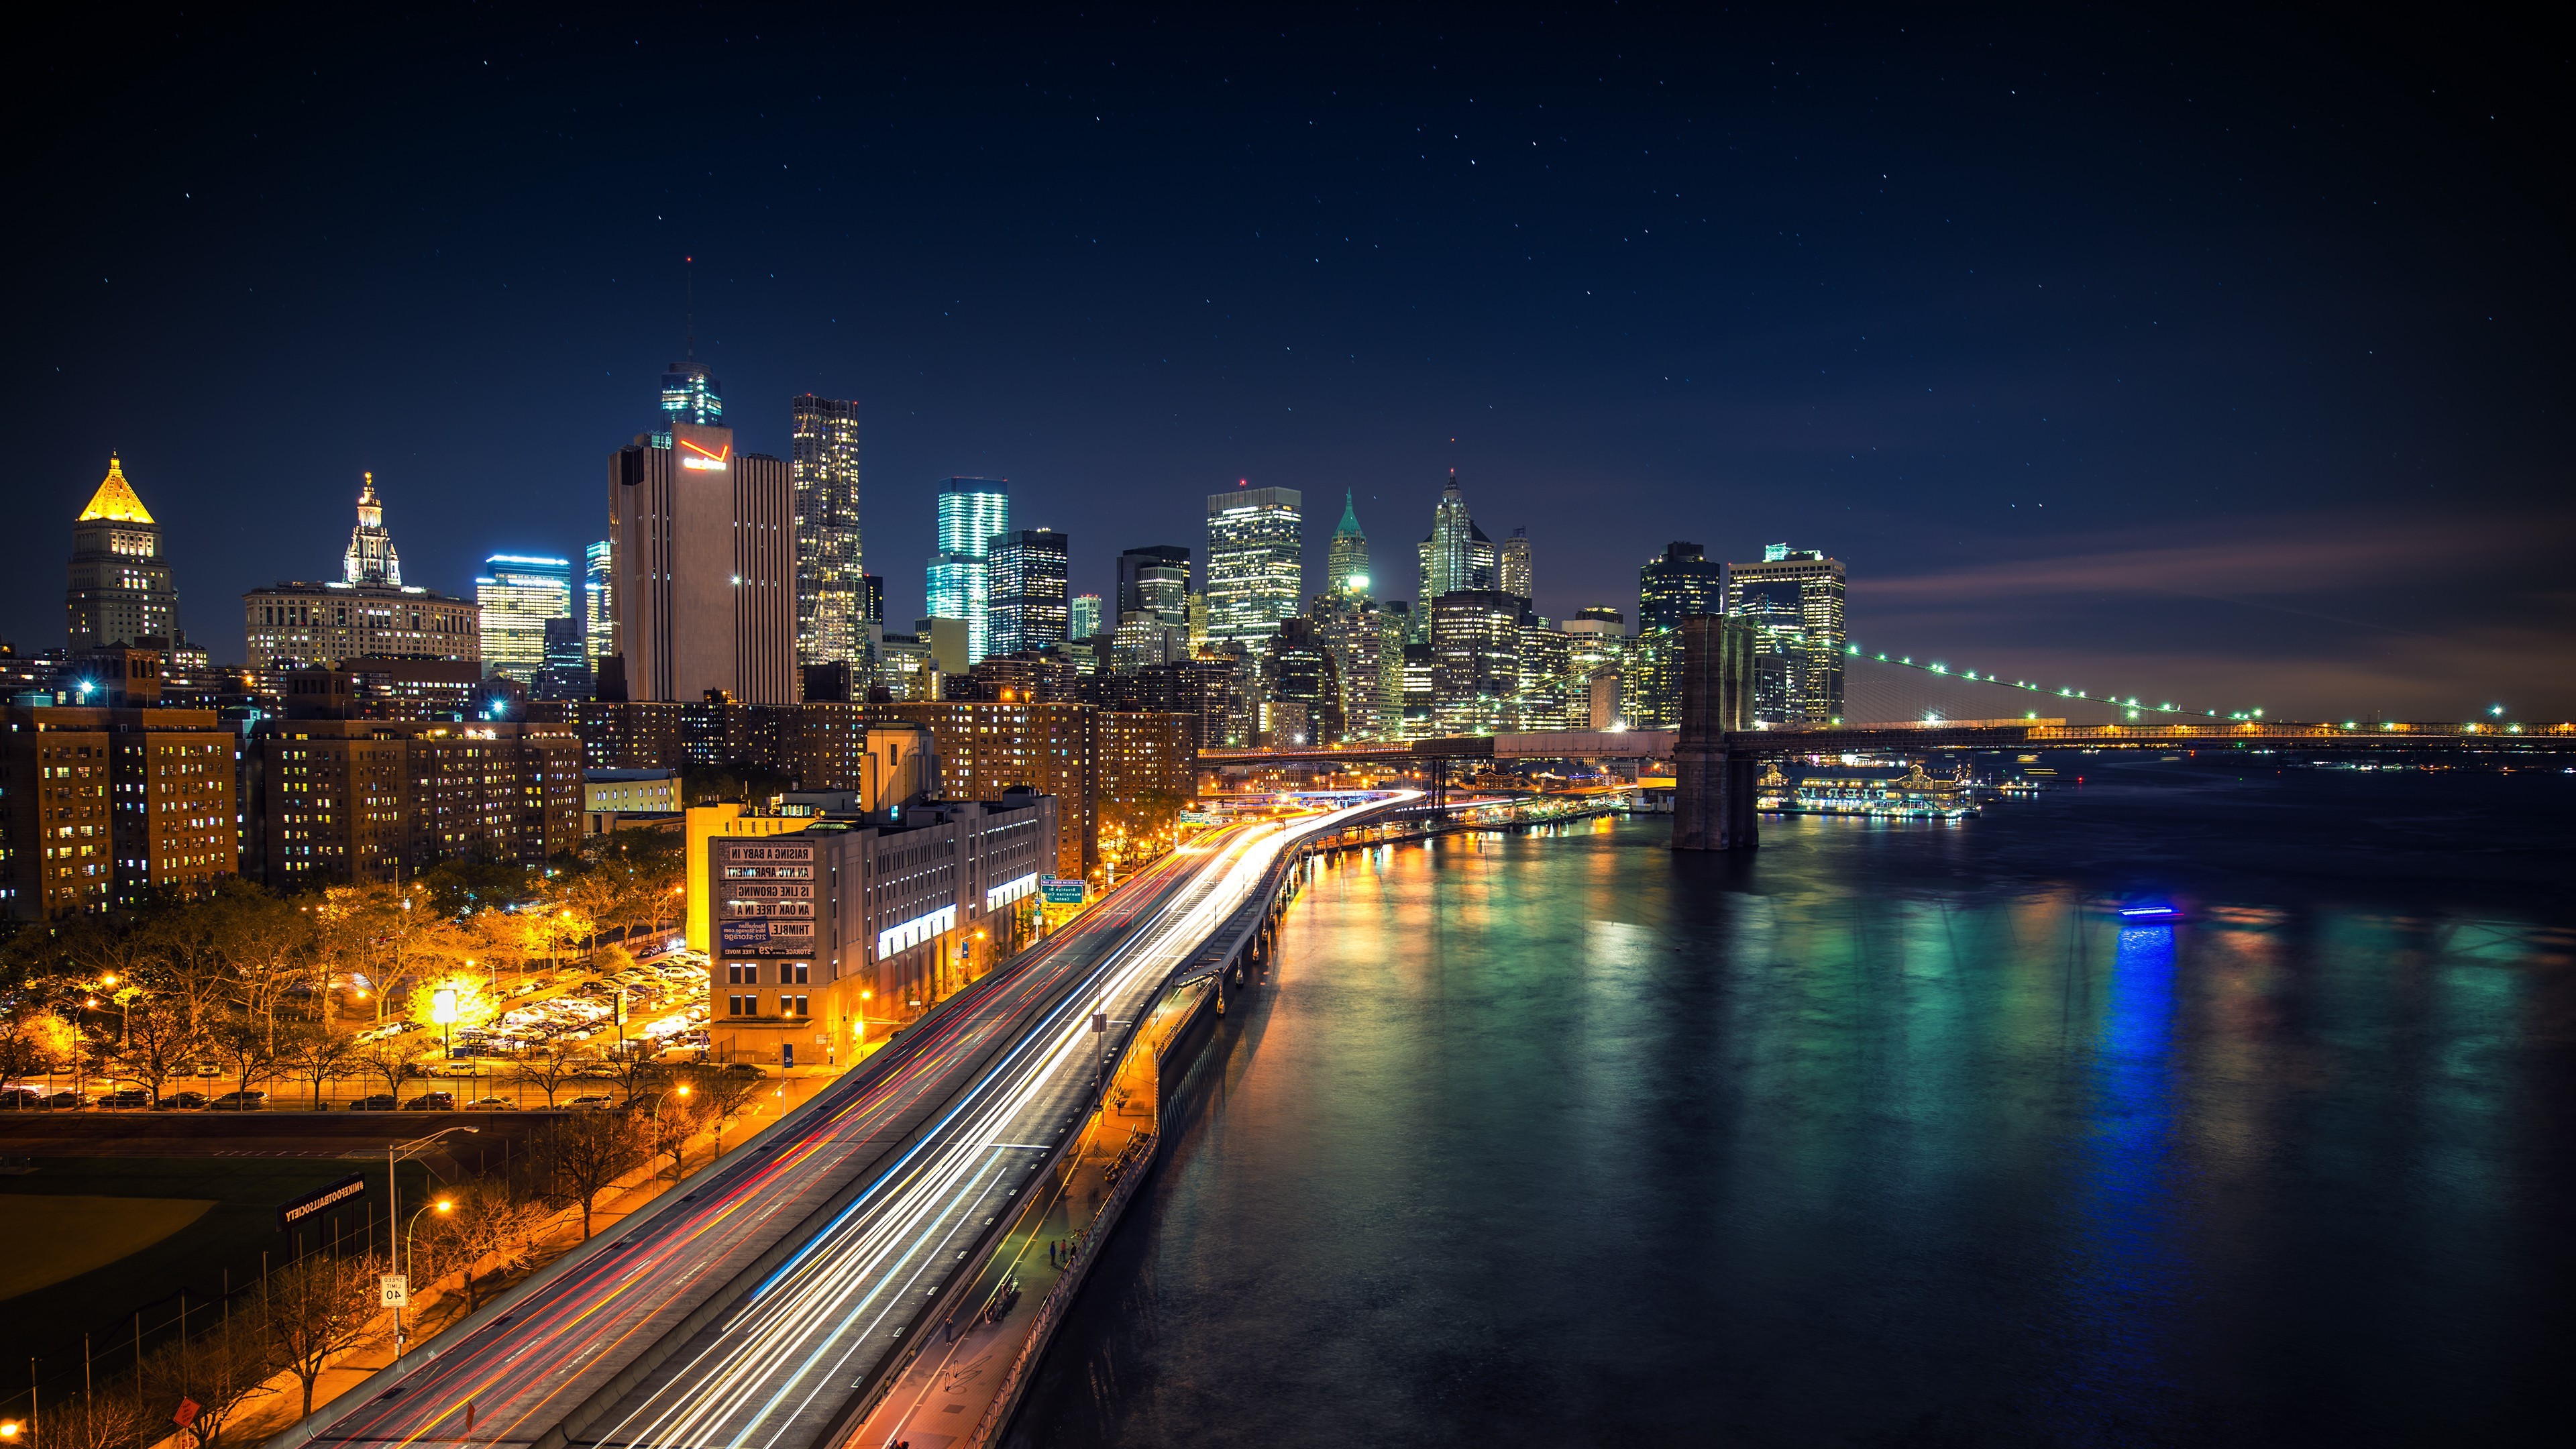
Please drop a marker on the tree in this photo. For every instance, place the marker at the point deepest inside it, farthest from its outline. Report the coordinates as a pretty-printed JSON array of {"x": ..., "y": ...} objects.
[
  {"x": 218, "y": 1371},
  {"x": 721, "y": 1097},
  {"x": 317, "y": 1054},
  {"x": 388, "y": 1058},
  {"x": 247, "y": 1044},
  {"x": 320, "y": 1307},
  {"x": 672, "y": 1120},
  {"x": 490, "y": 1224},
  {"x": 103, "y": 1418},
  {"x": 580, "y": 1156},
  {"x": 160, "y": 1039},
  {"x": 638, "y": 1075},
  {"x": 33, "y": 1041},
  {"x": 551, "y": 1065}
]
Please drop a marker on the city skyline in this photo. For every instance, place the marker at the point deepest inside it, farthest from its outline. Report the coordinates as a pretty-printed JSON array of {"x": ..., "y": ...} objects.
[{"x": 1999, "y": 408}]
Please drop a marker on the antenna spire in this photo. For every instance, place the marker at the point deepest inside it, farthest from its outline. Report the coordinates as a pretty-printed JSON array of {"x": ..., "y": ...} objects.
[{"x": 690, "y": 342}]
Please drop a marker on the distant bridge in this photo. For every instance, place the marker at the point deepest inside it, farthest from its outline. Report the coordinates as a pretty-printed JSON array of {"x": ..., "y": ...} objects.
[
  {"x": 1716, "y": 751},
  {"x": 2001, "y": 734}
]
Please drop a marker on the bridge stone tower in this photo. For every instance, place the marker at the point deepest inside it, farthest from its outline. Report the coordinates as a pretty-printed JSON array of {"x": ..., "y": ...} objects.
[{"x": 1713, "y": 786}]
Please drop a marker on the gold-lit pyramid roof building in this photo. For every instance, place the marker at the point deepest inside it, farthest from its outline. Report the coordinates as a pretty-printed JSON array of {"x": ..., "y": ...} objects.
[{"x": 115, "y": 499}]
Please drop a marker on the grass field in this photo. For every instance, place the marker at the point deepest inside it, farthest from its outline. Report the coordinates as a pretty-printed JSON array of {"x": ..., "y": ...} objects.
[
  {"x": 231, "y": 1223},
  {"x": 54, "y": 1238}
]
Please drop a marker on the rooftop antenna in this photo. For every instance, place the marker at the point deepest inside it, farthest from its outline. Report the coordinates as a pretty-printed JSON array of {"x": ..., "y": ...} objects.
[{"x": 690, "y": 341}]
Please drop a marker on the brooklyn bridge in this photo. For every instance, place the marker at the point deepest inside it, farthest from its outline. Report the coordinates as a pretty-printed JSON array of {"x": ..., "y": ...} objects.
[{"x": 1717, "y": 750}]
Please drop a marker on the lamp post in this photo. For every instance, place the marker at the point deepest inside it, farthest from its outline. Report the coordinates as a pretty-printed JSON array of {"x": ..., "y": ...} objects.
[{"x": 393, "y": 1209}]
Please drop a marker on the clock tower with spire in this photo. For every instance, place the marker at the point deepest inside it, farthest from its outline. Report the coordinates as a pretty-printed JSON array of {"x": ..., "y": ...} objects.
[{"x": 371, "y": 558}]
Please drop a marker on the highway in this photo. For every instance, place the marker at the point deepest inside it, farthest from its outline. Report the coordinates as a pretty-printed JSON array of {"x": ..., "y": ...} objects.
[{"x": 747, "y": 1309}]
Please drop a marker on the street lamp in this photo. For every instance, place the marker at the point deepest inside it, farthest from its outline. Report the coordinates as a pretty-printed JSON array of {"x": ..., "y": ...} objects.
[{"x": 393, "y": 1208}]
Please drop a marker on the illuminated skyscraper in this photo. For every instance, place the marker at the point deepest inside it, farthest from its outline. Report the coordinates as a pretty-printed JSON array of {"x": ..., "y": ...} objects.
[
  {"x": 1803, "y": 583},
  {"x": 1476, "y": 667},
  {"x": 1256, "y": 565},
  {"x": 598, "y": 611},
  {"x": 1346, "y": 559},
  {"x": 1514, "y": 568},
  {"x": 1680, "y": 584},
  {"x": 1082, "y": 617},
  {"x": 704, "y": 568},
  {"x": 831, "y": 626},
  {"x": 1028, "y": 571},
  {"x": 518, "y": 594},
  {"x": 691, "y": 394},
  {"x": 1457, "y": 556},
  {"x": 120, "y": 588},
  {"x": 972, "y": 511},
  {"x": 371, "y": 558},
  {"x": 1171, "y": 562}
]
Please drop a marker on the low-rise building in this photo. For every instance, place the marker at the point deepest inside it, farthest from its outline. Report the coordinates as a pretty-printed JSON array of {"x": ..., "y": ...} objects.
[
  {"x": 837, "y": 914},
  {"x": 102, "y": 807},
  {"x": 380, "y": 800}
]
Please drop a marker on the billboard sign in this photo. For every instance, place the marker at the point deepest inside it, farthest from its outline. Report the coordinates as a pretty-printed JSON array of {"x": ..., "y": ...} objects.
[
  {"x": 766, "y": 895},
  {"x": 297, "y": 1209}
]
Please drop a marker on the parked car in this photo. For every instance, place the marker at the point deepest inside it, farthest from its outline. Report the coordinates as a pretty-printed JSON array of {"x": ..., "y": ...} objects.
[
  {"x": 239, "y": 1102},
  {"x": 492, "y": 1104},
  {"x": 744, "y": 1069},
  {"x": 380, "y": 1102},
  {"x": 591, "y": 1102},
  {"x": 431, "y": 1102},
  {"x": 183, "y": 1101},
  {"x": 20, "y": 1099},
  {"x": 65, "y": 1101},
  {"x": 124, "y": 1098}
]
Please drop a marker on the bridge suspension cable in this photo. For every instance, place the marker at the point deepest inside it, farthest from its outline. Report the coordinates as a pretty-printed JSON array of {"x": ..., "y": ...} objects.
[{"x": 2035, "y": 699}]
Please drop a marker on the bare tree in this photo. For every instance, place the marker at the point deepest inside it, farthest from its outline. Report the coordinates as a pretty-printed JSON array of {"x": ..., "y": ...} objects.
[
  {"x": 671, "y": 1121},
  {"x": 161, "y": 1037},
  {"x": 318, "y": 1054},
  {"x": 491, "y": 1224},
  {"x": 552, "y": 1065},
  {"x": 319, "y": 1308},
  {"x": 580, "y": 1156},
  {"x": 638, "y": 1075},
  {"x": 215, "y": 1372},
  {"x": 248, "y": 1044},
  {"x": 721, "y": 1097},
  {"x": 389, "y": 1058},
  {"x": 103, "y": 1418}
]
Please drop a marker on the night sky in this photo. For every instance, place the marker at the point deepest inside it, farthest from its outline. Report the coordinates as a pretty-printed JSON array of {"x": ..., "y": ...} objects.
[{"x": 2136, "y": 350}]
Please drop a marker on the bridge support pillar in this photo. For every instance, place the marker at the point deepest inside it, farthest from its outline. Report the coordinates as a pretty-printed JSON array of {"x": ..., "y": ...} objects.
[{"x": 1713, "y": 785}]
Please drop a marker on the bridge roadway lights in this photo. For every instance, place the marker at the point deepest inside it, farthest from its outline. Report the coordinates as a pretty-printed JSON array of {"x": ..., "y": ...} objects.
[{"x": 1713, "y": 785}]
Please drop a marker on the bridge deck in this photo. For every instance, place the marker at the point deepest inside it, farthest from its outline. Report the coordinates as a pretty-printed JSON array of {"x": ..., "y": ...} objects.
[{"x": 1927, "y": 735}]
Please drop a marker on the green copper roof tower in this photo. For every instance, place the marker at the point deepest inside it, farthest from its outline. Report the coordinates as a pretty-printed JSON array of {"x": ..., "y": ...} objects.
[{"x": 1346, "y": 560}]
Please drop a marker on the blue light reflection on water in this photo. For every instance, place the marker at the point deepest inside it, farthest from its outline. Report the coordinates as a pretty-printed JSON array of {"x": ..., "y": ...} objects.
[
  {"x": 1879, "y": 1137},
  {"x": 2124, "y": 1268}
]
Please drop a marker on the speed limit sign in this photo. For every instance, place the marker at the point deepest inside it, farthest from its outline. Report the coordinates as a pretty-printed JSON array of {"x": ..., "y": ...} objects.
[{"x": 393, "y": 1290}]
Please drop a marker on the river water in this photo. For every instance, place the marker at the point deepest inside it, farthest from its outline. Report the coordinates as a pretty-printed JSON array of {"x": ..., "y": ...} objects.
[{"x": 1884, "y": 1134}]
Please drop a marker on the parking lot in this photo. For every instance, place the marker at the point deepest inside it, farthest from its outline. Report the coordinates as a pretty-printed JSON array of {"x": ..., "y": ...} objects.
[{"x": 565, "y": 1026}]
